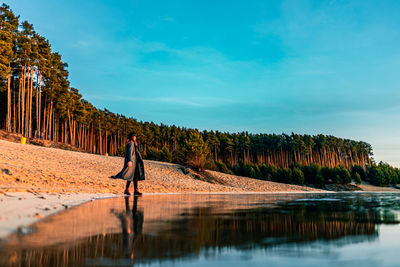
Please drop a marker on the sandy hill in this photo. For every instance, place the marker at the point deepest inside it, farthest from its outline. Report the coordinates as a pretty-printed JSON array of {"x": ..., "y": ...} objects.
[{"x": 43, "y": 169}]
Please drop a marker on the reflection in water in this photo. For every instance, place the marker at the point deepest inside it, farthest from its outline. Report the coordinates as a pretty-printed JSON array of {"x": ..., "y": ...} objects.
[
  {"x": 132, "y": 225},
  {"x": 183, "y": 228}
]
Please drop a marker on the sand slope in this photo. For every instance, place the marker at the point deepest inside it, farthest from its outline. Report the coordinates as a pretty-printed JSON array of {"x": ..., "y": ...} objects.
[{"x": 49, "y": 170}]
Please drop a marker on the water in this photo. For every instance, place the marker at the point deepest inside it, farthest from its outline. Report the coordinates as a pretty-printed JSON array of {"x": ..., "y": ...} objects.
[{"x": 216, "y": 230}]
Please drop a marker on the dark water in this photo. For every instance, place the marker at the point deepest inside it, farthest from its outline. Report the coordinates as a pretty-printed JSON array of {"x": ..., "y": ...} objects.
[{"x": 216, "y": 230}]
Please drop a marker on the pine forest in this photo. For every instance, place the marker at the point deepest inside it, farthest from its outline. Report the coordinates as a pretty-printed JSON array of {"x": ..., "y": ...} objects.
[{"x": 37, "y": 101}]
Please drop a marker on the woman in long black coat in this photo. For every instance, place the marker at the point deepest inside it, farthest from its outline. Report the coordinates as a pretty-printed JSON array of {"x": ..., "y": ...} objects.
[{"x": 133, "y": 169}]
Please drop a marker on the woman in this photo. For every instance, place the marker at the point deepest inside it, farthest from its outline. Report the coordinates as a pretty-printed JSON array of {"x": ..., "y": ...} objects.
[{"x": 133, "y": 169}]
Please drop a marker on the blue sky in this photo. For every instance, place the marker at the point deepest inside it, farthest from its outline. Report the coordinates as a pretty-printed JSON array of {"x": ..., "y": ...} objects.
[{"x": 312, "y": 67}]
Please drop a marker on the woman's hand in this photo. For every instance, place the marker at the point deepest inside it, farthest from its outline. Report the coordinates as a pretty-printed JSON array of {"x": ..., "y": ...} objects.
[{"x": 130, "y": 164}]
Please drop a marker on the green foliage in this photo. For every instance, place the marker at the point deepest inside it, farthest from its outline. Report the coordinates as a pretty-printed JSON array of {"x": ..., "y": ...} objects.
[
  {"x": 344, "y": 174},
  {"x": 194, "y": 151},
  {"x": 152, "y": 154},
  {"x": 282, "y": 176},
  {"x": 329, "y": 175},
  {"x": 252, "y": 172},
  {"x": 340, "y": 175},
  {"x": 298, "y": 176},
  {"x": 398, "y": 176},
  {"x": 159, "y": 155},
  {"x": 221, "y": 167},
  {"x": 249, "y": 170},
  {"x": 375, "y": 175},
  {"x": 357, "y": 169},
  {"x": 319, "y": 180},
  {"x": 357, "y": 178},
  {"x": 166, "y": 155},
  {"x": 382, "y": 174},
  {"x": 210, "y": 165},
  {"x": 337, "y": 180},
  {"x": 8, "y": 32},
  {"x": 267, "y": 171},
  {"x": 310, "y": 173},
  {"x": 121, "y": 151}
]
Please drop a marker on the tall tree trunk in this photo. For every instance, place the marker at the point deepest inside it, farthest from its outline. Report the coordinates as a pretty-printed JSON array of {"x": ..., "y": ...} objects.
[
  {"x": 14, "y": 114},
  {"x": 37, "y": 106},
  {"x": 62, "y": 133},
  {"x": 50, "y": 120},
  {"x": 46, "y": 129},
  {"x": 8, "y": 120},
  {"x": 43, "y": 130},
  {"x": 26, "y": 89},
  {"x": 19, "y": 105},
  {"x": 54, "y": 126},
  {"x": 115, "y": 145},
  {"x": 74, "y": 132},
  {"x": 40, "y": 107},
  {"x": 92, "y": 144},
  {"x": 65, "y": 133},
  {"x": 22, "y": 131},
  {"x": 100, "y": 140},
  {"x": 105, "y": 141},
  {"x": 30, "y": 104},
  {"x": 84, "y": 136},
  {"x": 78, "y": 135},
  {"x": 70, "y": 127}
]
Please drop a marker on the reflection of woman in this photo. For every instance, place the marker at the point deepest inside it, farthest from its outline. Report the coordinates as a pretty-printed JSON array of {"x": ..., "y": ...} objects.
[
  {"x": 132, "y": 225},
  {"x": 133, "y": 169}
]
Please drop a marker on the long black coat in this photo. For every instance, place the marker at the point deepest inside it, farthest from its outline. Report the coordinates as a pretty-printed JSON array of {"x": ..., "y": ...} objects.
[{"x": 137, "y": 168}]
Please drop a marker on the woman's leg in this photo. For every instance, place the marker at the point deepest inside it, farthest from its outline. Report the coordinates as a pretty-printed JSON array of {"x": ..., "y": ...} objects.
[
  {"x": 128, "y": 183},
  {"x": 135, "y": 182}
]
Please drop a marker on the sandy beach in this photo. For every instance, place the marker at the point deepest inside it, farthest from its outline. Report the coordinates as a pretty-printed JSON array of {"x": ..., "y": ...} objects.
[
  {"x": 35, "y": 169},
  {"x": 38, "y": 181}
]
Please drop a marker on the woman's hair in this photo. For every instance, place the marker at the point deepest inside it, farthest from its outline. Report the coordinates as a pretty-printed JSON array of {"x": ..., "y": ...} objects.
[{"x": 131, "y": 135}]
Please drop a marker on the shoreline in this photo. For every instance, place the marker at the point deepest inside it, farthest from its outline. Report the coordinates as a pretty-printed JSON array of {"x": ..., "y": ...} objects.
[
  {"x": 37, "y": 182},
  {"x": 24, "y": 209},
  {"x": 21, "y": 209}
]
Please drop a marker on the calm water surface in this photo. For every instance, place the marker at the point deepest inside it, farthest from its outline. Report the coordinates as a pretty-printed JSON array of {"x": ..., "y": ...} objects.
[{"x": 216, "y": 230}]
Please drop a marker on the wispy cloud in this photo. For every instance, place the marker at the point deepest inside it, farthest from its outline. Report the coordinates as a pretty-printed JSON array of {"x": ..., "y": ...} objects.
[
  {"x": 216, "y": 80},
  {"x": 328, "y": 27},
  {"x": 200, "y": 102},
  {"x": 167, "y": 18},
  {"x": 82, "y": 44},
  {"x": 160, "y": 21}
]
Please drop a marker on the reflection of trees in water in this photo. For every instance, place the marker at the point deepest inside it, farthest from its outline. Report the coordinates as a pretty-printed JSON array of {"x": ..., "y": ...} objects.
[
  {"x": 64, "y": 255},
  {"x": 259, "y": 228},
  {"x": 202, "y": 228}
]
